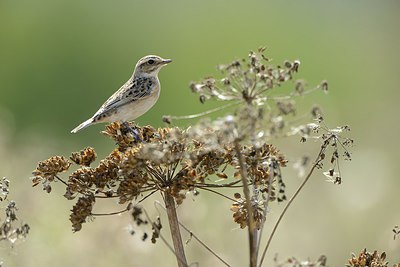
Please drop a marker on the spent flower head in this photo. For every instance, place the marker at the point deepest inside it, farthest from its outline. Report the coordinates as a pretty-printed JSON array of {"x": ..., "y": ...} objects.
[
  {"x": 8, "y": 226},
  {"x": 366, "y": 258},
  {"x": 248, "y": 79},
  {"x": 169, "y": 160},
  {"x": 258, "y": 87},
  {"x": 47, "y": 170},
  {"x": 84, "y": 157},
  {"x": 4, "y": 188},
  {"x": 10, "y": 230}
]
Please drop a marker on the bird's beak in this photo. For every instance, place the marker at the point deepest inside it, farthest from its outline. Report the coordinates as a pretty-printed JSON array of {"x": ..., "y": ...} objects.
[{"x": 166, "y": 61}]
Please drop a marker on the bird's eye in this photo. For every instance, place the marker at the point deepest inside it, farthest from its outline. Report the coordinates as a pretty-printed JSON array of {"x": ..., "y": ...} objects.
[{"x": 151, "y": 61}]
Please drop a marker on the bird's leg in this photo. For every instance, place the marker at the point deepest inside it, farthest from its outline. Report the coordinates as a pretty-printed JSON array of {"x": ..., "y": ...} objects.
[{"x": 134, "y": 132}]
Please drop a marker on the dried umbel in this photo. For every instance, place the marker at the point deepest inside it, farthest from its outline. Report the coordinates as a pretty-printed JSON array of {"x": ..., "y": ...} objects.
[
  {"x": 247, "y": 79},
  {"x": 4, "y": 188},
  {"x": 81, "y": 211},
  {"x": 84, "y": 157},
  {"x": 241, "y": 215},
  {"x": 49, "y": 168},
  {"x": 118, "y": 132},
  {"x": 169, "y": 160},
  {"x": 368, "y": 259},
  {"x": 258, "y": 88},
  {"x": 9, "y": 230}
]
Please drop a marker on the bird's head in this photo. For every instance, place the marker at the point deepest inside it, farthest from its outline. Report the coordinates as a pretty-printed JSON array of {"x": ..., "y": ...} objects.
[{"x": 150, "y": 65}]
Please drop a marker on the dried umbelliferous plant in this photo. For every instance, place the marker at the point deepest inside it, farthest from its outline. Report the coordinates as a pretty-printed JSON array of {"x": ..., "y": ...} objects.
[
  {"x": 11, "y": 231},
  {"x": 235, "y": 151}
]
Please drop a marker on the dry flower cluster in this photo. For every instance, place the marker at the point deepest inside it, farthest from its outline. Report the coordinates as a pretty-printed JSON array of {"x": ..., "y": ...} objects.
[
  {"x": 364, "y": 259},
  {"x": 169, "y": 160},
  {"x": 259, "y": 87},
  {"x": 9, "y": 230},
  {"x": 368, "y": 259},
  {"x": 234, "y": 151}
]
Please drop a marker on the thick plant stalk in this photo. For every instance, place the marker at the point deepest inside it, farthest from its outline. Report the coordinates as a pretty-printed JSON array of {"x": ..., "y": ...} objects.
[
  {"x": 175, "y": 232},
  {"x": 252, "y": 231}
]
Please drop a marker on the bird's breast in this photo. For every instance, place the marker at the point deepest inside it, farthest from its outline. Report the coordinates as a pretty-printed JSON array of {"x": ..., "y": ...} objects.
[{"x": 136, "y": 108}]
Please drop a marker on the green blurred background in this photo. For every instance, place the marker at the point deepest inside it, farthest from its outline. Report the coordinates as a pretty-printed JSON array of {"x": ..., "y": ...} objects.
[{"x": 61, "y": 59}]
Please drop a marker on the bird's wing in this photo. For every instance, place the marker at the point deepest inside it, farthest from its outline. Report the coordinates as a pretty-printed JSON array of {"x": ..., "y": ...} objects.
[{"x": 129, "y": 92}]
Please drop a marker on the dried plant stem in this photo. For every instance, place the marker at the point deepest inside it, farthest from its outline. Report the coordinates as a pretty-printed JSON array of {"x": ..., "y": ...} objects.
[
  {"x": 227, "y": 185},
  {"x": 316, "y": 163},
  {"x": 218, "y": 193},
  {"x": 250, "y": 217},
  {"x": 193, "y": 116},
  {"x": 175, "y": 232},
  {"x": 110, "y": 213},
  {"x": 197, "y": 238},
  {"x": 266, "y": 203},
  {"x": 61, "y": 180}
]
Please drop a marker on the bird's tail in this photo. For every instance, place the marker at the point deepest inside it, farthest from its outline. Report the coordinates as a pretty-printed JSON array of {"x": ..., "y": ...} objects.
[{"x": 83, "y": 125}]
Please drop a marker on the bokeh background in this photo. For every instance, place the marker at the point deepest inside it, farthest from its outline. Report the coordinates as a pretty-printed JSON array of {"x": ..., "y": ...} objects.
[{"x": 61, "y": 59}]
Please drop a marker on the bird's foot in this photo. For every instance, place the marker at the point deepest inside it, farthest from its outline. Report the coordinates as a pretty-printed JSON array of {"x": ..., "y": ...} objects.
[{"x": 136, "y": 135}]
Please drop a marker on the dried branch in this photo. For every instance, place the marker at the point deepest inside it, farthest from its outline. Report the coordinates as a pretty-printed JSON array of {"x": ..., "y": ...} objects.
[
  {"x": 250, "y": 217},
  {"x": 197, "y": 238},
  {"x": 175, "y": 232}
]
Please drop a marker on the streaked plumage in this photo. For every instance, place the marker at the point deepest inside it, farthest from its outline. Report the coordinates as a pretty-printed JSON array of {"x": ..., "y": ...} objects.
[{"x": 135, "y": 97}]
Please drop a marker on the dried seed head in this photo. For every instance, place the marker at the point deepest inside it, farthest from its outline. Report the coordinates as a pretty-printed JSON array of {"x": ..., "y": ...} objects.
[
  {"x": 84, "y": 157},
  {"x": 240, "y": 214},
  {"x": 46, "y": 170},
  {"x": 4, "y": 188},
  {"x": 121, "y": 134},
  {"x": 81, "y": 211},
  {"x": 366, "y": 258}
]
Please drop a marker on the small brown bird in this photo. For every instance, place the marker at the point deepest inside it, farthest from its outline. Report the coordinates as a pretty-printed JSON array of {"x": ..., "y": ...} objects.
[{"x": 135, "y": 97}]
